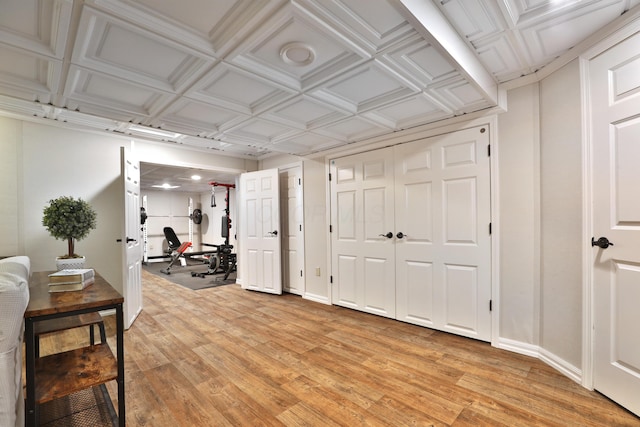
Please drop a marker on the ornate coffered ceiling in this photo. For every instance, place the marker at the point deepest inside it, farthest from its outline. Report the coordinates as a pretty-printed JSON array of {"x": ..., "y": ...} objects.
[{"x": 252, "y": 78}]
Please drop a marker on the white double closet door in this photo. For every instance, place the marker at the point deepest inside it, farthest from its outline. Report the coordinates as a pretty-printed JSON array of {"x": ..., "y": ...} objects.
[{"x": 410, "y": 232}]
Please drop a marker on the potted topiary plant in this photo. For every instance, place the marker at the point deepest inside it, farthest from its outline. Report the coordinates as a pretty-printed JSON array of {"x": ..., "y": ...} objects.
[{"x": 66, "y": 218}]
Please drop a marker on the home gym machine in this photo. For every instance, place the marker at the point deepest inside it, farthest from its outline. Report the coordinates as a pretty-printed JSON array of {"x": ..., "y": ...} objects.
[{"x": 223, "y": 261}]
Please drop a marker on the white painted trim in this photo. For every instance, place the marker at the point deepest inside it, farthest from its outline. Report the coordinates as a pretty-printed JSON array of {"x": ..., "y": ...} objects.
[
  {"x": 518, "y": 347},
  {"x": 327, "y": 219},
  {"x": 587, "y": 227},
  {"x": 299, "y": 205},
  {"x": 495, "y": 230},
  {"x": 561, "y": 365},
  {"x": 543, "y": 355},
  {"x": 317, "y": 298}
]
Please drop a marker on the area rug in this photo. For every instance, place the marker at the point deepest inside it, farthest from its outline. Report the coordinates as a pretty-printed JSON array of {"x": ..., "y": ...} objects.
[
  {"x": 91, "y": 407},
  {"x": 181, "y": 275}
]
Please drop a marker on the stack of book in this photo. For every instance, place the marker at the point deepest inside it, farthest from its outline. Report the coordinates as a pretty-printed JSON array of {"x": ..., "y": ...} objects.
[{"x": 71, "y": 279}]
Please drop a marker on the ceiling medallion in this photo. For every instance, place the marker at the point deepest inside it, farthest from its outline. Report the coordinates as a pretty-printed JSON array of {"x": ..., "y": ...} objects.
[{"x": 298, "y": 54}]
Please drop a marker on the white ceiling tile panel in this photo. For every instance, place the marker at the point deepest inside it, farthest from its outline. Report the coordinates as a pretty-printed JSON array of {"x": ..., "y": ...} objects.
[
  {"x": 103, "y": 92},
  {"x": 376, "y": 27},
  {"x": 305, "y": 113},
  {"x": 257, "y": 131},
  {"x": 147, "y": 59},
  {"x": 419, "y": 61},
  {"x": 40, "y": 26},
  {"x": 28, "y": 76},
  {"x": 473, "y": 18},
  {"x": 500, "y": 57},
  {"x": 229, "y": 20},
  {"x": 233, "y": 88},
  {"x": 352, "y": 129},
  {"x": 408, "y": 112},
  {"x": 195, "y": 117},
  {"x": 365, "y": 87},
  {"x": 549, "y": 38},
  {"x": 261, "y": 53}
]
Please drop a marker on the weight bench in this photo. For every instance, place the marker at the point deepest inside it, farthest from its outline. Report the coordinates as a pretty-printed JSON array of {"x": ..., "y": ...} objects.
[{"x": 177, "y": 250}]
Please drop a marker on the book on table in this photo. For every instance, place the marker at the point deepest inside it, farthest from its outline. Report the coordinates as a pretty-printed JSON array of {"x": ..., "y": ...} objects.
[
  {"x": 75, "y": 286},
  {"x": 74, "y": 275}
]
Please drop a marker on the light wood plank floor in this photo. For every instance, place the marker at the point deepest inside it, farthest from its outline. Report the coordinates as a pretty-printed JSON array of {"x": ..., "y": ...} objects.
[{"x": 228, "y": 357}]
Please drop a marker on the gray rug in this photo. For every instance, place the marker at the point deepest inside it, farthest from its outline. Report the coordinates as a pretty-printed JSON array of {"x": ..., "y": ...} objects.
[{"x": 182, "y": 275}]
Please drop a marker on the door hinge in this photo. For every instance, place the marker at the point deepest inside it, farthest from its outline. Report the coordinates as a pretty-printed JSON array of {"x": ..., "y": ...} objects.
[
  {"x": 330, "y": 279},
  {"x": 300, "y": 227},
  {"x": 330, "y": 228},
  {"x": 489, "y": 150},
  {"x": 300, "y": 273},
  {"x": 490, "y": 229},
  {"x": 329, "y": 176},
  {"x": 490, "y": 305},
  {"x": 299, "y": 181}
]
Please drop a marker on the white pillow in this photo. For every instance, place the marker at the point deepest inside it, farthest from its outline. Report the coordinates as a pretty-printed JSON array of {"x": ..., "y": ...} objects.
[
  {"x": 14, "y": 297},
  {"x": 19, "y": 265}
]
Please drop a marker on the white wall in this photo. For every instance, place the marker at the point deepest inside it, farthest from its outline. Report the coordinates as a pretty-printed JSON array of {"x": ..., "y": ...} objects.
[
  {"x": 166, "y": 208},
  {"x": 211, "y": 226},
  {"x": 518, "y": 171},
  {"x": 11, "y": 153},
  {"x": 561, "y": 185}
]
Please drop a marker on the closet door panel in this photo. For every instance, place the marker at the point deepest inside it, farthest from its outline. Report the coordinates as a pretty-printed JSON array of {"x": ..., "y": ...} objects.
[
  {"x": 444, "y": 217},
  {"x": 362, "y": 212}
]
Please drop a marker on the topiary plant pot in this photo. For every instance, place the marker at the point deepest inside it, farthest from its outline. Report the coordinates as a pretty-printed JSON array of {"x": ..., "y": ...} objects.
[{"x": 70, "y": 263}]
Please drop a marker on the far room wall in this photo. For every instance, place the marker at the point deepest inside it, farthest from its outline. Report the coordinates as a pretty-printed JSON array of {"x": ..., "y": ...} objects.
[{"x": 170, "y": 208}]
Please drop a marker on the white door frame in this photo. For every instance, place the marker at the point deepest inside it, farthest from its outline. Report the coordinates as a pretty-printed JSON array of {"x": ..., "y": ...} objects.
[
  {"x": 427, "y": 132},
  {"x": 588, "y": 339},
  {"x": 300, "y": 205}
]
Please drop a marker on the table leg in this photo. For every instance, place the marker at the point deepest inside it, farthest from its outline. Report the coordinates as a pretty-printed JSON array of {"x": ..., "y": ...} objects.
[
  {"x": 31, "y": 416},
  {"x": 120, "y": 338}
]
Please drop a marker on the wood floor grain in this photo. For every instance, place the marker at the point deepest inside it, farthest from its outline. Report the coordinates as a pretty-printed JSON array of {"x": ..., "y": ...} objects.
[{"x": 228, "y": 357}]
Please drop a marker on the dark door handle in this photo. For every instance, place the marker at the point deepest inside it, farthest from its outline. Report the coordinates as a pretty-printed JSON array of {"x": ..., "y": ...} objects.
[
  {"x": 400, "y": 235},
  {"x": 602, "y": 242},
  {"x": 129, "y": 239},
  {"x": 274, "y": 232},
  {"x": 389, "y": 235}
]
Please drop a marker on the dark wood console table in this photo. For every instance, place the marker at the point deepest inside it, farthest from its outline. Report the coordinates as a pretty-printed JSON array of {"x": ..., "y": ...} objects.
[{"x": 61, "y": 374}]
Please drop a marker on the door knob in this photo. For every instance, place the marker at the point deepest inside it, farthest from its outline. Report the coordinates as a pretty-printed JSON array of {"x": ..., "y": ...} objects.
[
  {"x": 602, "y": 242},
  {"x": 274, "y": 232},
  {"x": 389, "y": 235},
  {"x": 400, "y": 235},
  {"x": 129, "y": 239}
]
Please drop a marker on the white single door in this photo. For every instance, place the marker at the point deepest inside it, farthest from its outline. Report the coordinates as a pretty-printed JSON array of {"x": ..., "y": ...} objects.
[
  {"x": 292, "y": 217},
  {"x": 362, "y": 235},
  {"x": 132, "y": 241},
  {"x": 443, "y": 244},
  {"x": 260, "y": 231},
  {"x": 615, "y": 135}
]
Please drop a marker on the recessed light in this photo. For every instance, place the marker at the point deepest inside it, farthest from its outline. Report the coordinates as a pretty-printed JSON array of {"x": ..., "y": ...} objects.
[
  {"x": 297, "y": 54},
  {"x": 196, "y": 177},
  {"x": 165, "y": 186}
]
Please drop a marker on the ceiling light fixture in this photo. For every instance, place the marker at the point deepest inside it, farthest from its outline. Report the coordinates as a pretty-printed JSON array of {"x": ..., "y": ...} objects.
[
  {"x": 165, "y": 186},
  {"x": 298, "y": 54},
  {"x": 196, "y": 177}
]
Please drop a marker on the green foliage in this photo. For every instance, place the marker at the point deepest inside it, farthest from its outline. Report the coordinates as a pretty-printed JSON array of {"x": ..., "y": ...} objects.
[{"x": 66, "y": 218}]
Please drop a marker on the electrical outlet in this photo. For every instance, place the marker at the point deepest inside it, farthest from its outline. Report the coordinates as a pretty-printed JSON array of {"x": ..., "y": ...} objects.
[{"x": 317, "y": 271}]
